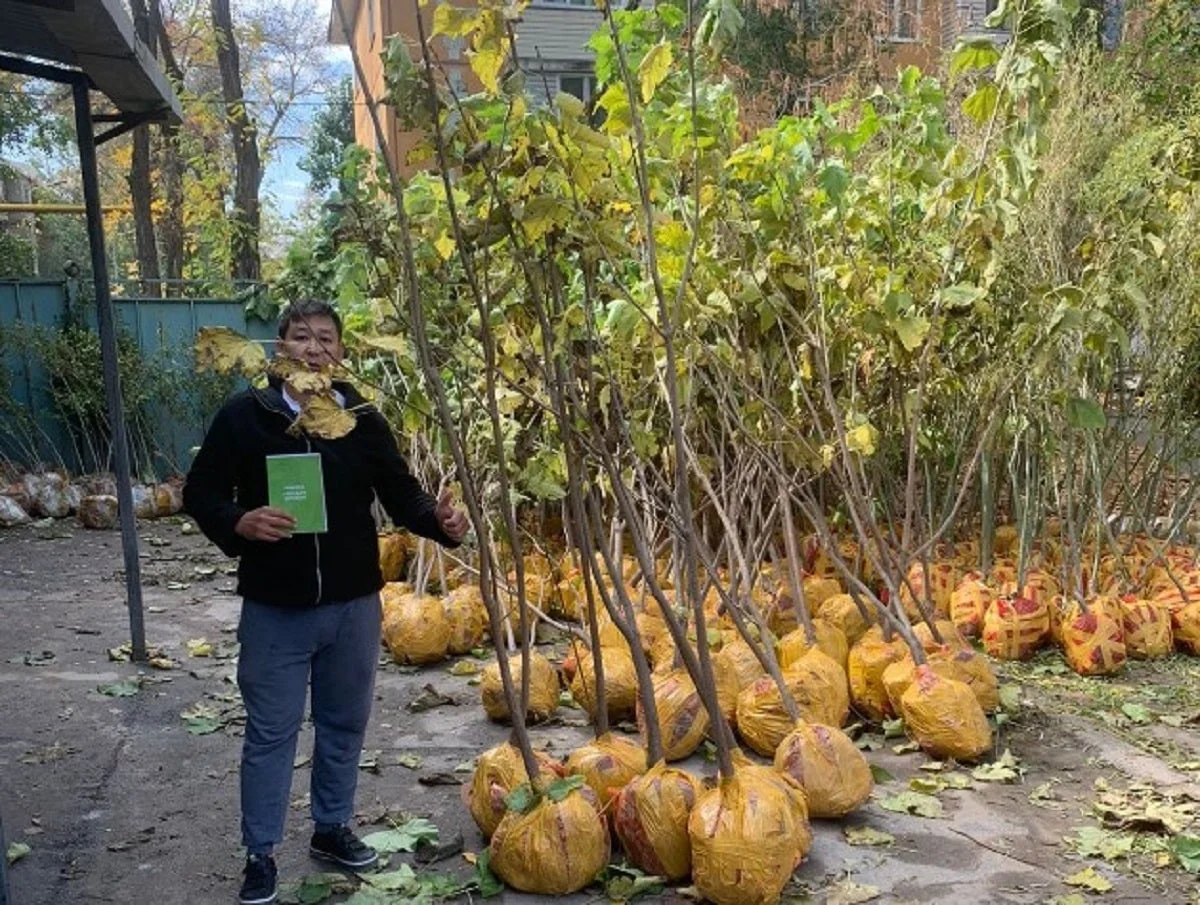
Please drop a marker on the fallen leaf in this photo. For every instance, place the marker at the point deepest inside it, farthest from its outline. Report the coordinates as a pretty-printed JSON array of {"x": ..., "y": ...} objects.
[
  {"x": 39, "y": 658},
  {"x": 16, "y": 851},
  {"x": 1136, "y": 713},
  {"x": 880, "y": 775},
  {"x": 412, "y": 761},
  {"x": 439, "y": 779},
  {"x": 928, "y": 786},
  {"x": 1093, "y": 842},
  {"x": 429, "y": 698},
  {"x": 125, "y": 688},
  {"x": 915, "y": 803},
  {"x": 369, "y": 760},
  {"x": 403, "y": 837},
  {"x": 1187, "y": 851},
  {"x": 865, "y": 835},
  {"x": 1006, "y": 768},
  {"x": 906, "y": 748},
  {"x": 849, "y": 893},
  {"x": 1089, "y": 879},
  {"x": 465, "y": 668}
]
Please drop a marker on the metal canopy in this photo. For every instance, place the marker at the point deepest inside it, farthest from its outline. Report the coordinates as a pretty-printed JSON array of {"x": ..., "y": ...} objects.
[{"x": 97, "y": 38}]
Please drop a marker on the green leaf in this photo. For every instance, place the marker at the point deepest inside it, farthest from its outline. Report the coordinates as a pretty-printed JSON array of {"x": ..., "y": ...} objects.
[
  {"x": 625, "y": 888},
  {"x": 915, "y": 803},
  {"x": 1093, "y": 842},
  {"x": 1005, "y": 769},
  {"x": 403, "y": 837},
  {"x": 412, "y": 761},
  {"x": 1085, "y": 414},
  {"x": 982, "y": 102},
  {"x": 1010, "y": 698},
  {"x": 1186, "y": 849},
  {"x": 16, "y": 851},
  {"x": 203, "y": 725},
  {"x": 926, "y": 785},
  {"x": 893, "y": 728},
  {"x": 561, "y": 788},
  {"x": 489, "y": 884},
  {"x": 880, "y": 775},
  {"x": 834, "y": 179},
  {"x": 521, "y": 799},
  {"x": 912, "y": 331},
  {"x": 974, "y": 55},
  {"x": 961, "y": 295},
  {"x": 125, "y": 688},
  {"x": 655, "y": 66},
  {"x": 1089, "y": 879},
  {"x": 454, "y": 21},
  {"x": 865, "y": 835},
  {"x": 402, "y": 879},
  {"x": 847, "y": 892},
  {"x": 1137, "y": 713}
]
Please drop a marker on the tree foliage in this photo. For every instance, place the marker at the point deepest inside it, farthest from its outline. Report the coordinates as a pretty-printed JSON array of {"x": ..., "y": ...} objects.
[{"x": 331, "y": 133}]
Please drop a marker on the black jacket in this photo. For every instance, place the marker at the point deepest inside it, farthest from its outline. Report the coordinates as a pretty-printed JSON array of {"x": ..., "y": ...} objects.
[{"x": 229, "y": 478}]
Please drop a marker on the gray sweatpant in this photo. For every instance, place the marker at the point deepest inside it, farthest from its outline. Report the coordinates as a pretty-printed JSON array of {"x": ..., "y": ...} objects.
[{"x": 336, "y": 646}]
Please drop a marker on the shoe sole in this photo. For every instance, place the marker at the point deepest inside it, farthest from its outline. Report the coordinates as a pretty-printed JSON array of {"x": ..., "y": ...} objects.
[
  {"x": 334, "y": 859},
  {"x": 265, "y": 901}
]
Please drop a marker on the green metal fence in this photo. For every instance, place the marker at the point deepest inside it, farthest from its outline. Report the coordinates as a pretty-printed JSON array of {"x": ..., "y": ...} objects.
[{"x": 32, "y": 427}]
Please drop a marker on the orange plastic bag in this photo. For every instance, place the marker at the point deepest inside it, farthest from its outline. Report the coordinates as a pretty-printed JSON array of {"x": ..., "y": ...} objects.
[
  {"x": 1094, "y": 642},
  {"x": 1147, "y": 629},
  {"x": 944, "y": 717},
  {"x": 974, "y": 669},
  {"x": 938, "y": 586},
  {"x": 1015, "y": 628},
  {"x": 543, "y": 688},
  {"x": 868, "y": 659},
  {"x": 969, "y": 603},
  {"x": 467, "y": 615},
  {"x": 393, "y": 556},
  {"x": 745, "y": 838},
  {"x": 834, "y": 773},
  {"x": 1185, "y": 624},
  {"x": 498, "y": 771},
  {"x": 416, "y": 629},
  {"x": 607, "y": 764},
  {"x": 682, "y": 718},
  {"x": 651, "y": 820},
  {"x": 554, "y": 849},
  {"x": 946, "y": 630}
]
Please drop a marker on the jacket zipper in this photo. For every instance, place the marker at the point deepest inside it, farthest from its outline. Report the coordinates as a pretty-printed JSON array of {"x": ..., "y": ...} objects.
[{"x": 316, "y": 543}]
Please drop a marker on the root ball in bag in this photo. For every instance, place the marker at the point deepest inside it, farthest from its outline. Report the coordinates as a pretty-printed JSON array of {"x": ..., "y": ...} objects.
[
  {"x": 1014, "y": 628},
  {"x": 944, "y": 717},
  {"x": 1147, "y": 629},
  {"x": 620, "y": 683},
  {"x": 834, "y": 773},
  {"x": 682, "y": 718},
  {"x": 868, "y": 659},
  {"x": 498, "y": 771},
  {"x": 651, "y": 820},
  {"x": 543, "y": 688},
  {"x": 415, "y": 629},
  {"x": 1094, "y": 642},
  {"x": 555, "y": 848},
  {"x": 745, "y": 842},
  {"x": 1185, "y": 624},
  {"x": 607, "y": 765},
  {"x": 467, "y": 615}
]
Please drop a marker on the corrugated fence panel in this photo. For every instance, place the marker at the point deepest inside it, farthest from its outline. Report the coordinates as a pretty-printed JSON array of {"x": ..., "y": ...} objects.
[{"x": 164, "y": 331}]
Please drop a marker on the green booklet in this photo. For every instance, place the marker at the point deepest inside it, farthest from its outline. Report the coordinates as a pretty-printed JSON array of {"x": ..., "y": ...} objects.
[{"x": 295, "y": 485}]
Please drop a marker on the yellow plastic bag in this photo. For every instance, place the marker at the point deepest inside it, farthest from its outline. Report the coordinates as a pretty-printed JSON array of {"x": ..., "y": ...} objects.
[
  {"x": 682, "y": 718},
  {"x": 818, "y": 590},
  {"x": 1185, "y": 624},
  {"x": 1094, "y": 642},
  {"x": 868, "y": 659},
  {"x": 554, "y": 849},
  {"x": 834, "y": 773},
  {"x": 974, "y": 669},
  {"x": 468, "y": 618},
  {"x": 745, "y": 842},
  {"x": 969, "y": 603},
  {"x": 1015, "y": 628},
  {"x": 942, "y": 579},
  {"x": 832, "y": 641},
  {"x": 498, "y": 771},
  {"x": 543, "y": 688},
  {"x": 620, "y": 683},
  {"x": 944, "y": 717},
  {"x": 819, "y": 688},
  {"x": 1147, "y": 629},
  {"x": 792, "y": 647},
  {"x": 607, "y": 764},
  {"x": 740, "y": 658},
  {"x": 651, "y": 820},
  {"x": 416, "y": 629},
  {"x": 843, "y": 612},
  {"x": 393, "y": 555},
  {"x": 948, "y": 632}
]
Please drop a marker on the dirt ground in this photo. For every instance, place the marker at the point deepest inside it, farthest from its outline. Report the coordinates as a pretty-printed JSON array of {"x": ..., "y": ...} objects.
[{"x": 131, "y": 795}]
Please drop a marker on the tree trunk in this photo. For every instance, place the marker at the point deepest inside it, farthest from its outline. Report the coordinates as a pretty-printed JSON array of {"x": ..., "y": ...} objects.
[
  {"x": 243, "y": 133},
  {"x": 140, "y": 186},
  {"x": 170, "y": 224}
]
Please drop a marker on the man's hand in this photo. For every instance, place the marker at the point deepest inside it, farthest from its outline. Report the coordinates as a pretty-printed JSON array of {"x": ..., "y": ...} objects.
[
  {"x": 452, "y": 520},
  {"x": 265, "y": 524}
]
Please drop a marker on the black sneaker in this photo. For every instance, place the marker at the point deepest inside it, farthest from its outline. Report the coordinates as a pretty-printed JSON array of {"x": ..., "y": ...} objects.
[
  {"x": 342, "y": 847},
  {"x": 260, "y": 885}
]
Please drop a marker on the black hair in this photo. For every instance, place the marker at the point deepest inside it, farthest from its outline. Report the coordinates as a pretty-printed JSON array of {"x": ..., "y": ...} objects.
[{"x": 302, "y": 310}]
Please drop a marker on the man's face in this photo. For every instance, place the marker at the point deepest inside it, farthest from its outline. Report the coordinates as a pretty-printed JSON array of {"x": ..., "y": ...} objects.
[{"x": 313, "y": 340}]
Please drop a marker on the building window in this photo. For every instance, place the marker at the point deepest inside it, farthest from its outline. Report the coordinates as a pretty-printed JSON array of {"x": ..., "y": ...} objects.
[
  {"x": 581, "y": 85},
  {"x": 905, "y": 19},
  {"x": 458, "y": 83}
]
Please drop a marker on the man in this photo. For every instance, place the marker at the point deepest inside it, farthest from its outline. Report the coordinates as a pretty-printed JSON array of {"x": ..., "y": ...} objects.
[{"x": 311, "y": 609}]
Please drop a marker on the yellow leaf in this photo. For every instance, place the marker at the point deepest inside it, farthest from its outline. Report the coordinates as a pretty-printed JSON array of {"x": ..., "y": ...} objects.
[
  {"x": 322, "y": 417},
  {"x": 397, "y": 345},
  {"x": 486, "y": 64},
  {"x": 199, "y": 647},
  {"x": 454, "y": 21},
  {"x": 656, "y": 64},
  {"x": 862, "y": 439},
  {"x": 1089, "y": 879},
  {"x": 299, "y": 377},
  {"x": 444, "y": 246},
  {"x": 225, "y": 351},
  {"x": 569, "y": 105}
]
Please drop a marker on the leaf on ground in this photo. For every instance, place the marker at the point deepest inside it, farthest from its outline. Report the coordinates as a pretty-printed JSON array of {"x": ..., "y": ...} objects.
[
  {"x": 199, "y": 647},
  {"x": 926, "y": 785},
  {"x": 402, "y": 879},
  {"x": 489, "y": 884},
  {"x": 203, "y": 725},
  {"x": 625, "y": 889},
  {"x": 430, "y": 698},
  {"x": 465, "y": 668},
  {"x": 1089, "y": 879},
  {"x": 957, "y": 781},
  {"x": 39, "y": 658},
  {"x": 893, "y": 728},
  {"x": 16, "y": 851},
  {"x": 916, "y": 803},
  {"x": 1186, "y": 849},
  {"x": 880, "y": 775},
  {"x": 369, "y": 760},
  {"x": 1137, "y": 713},
  {"x": 906, "y": 748},
  {"x": 848, "y": 892},
  {"x": 412, "y": 761},
  {"x": 1010, "y": 698},
  {"x": 439, "y": 779},
  {"x": 1093, "y": 842},
  {"x": 1005, "y": 768},
  {"x": 467, "y": 766},
  {"x": 403, "y": 837},
  {"x": 866, "y": 835},
  {"x": 124, "y": 688},
  {"x": 1044, "y": 796}
]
